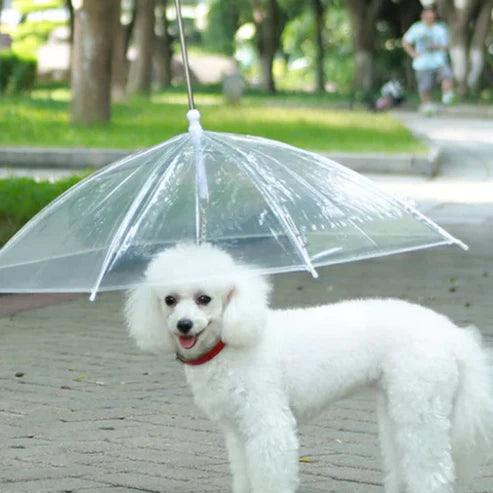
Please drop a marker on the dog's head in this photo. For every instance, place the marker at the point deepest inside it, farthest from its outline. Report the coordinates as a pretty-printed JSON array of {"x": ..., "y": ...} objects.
[{"x": 192, "y": 297}]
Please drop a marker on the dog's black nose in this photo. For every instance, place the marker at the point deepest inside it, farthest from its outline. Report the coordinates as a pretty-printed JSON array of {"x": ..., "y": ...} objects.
[{"x": 184, "y": 325}]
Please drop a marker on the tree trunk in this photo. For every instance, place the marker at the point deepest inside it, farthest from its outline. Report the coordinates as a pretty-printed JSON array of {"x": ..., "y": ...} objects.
[
  {"x": 91, "y": 61},
  {"x": 140, "y": 77},
  {"x": 478, "y": 45},
  {"x": 459, "y": 45},
  {"x": 318, "y": 11},
  {"x": 364, "y": 15},
  {"x": 129, "y": 28},
  {"x": 70, "y": 8},
  {"x": 266, "y": 19},
  {"x": 409, "y": 12},
  {"x": 470, "y": 22},
  {"x": 119, "y": 64},
  {"x": 446, "y": 10},
  {"x": 163, "y": 49}
]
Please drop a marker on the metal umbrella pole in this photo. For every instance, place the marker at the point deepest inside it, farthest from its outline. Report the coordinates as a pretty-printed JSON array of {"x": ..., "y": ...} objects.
[
  {"x": 195, "y": 129},
  {"x": 184, "y": 55}
]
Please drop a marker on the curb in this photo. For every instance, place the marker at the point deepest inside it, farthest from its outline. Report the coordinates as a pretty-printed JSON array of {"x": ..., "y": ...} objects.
[
  {"x": 426, "y": 164},
  {"x": 59, "y": 157},
  {"x": 453, "y": 111},
  {"x": 80, "y": 158}
]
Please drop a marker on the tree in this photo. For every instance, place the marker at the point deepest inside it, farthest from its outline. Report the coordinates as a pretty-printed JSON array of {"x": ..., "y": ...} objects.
[
  {"x": 163, "y": 47},
  {"x": 319, "y": 14},
  {"x": 91, "y": 60},
  {"x": 470, "y": 22},
  {"x": 140, "y": 76},
  {"x": 70, "y": 8},
  {"x": 223, "y": 20},
  {"x": 398, "y": 16},
  {"x": 364, "y": 15},
  {"x": 119, "y": 63},
  {"x": 266, "y": 17},
  {"x": 478, "y": 44}
]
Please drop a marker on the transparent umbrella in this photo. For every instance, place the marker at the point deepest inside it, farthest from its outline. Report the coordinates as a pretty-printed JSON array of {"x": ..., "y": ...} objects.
[{"x": 269, "y": 204}]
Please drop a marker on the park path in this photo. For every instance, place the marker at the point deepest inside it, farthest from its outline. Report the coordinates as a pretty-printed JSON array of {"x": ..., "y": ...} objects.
[{"x": 462, "y": 190}]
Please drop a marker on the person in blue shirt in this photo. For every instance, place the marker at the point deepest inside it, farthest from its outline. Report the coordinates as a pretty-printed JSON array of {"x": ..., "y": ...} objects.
[{"x": 427, "y": 44}]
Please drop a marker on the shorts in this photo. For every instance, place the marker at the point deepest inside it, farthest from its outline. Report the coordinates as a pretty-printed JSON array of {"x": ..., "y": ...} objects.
[{"x": 426, "y": 78}]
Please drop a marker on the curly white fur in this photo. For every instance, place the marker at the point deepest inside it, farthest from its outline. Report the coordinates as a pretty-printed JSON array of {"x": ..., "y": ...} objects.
[{"x": 282, "y": 367}]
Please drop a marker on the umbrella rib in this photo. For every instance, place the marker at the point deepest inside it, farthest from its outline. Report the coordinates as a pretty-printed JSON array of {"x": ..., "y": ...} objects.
[
  {"x": 137, "y": 154},
  {"x": 122, "y": 232},
  {"x": 322, "y": 197},
  {"x": 301, "y": 181},
  {"x": 366, "y": 185},
  {"x": 161, "y": 182},
  {"x": 318, "y": 160},
  {"x": 112, "y": 192},
  {"x": 293, "y": 234},
  {"x": 55, "y": 203}
]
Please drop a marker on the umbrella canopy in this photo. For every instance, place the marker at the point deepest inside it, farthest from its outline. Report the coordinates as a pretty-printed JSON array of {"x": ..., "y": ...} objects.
[{"x": 269, "y": 204}]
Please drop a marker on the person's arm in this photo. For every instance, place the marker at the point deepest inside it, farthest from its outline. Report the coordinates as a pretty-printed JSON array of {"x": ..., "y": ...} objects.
[
  {"x": 409, "y": 48},
  {"x": 408, "y": 42}
]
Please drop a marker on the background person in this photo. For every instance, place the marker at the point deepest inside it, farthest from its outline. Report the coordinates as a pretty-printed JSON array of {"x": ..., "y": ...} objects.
[{"x": 427, "y": 43}]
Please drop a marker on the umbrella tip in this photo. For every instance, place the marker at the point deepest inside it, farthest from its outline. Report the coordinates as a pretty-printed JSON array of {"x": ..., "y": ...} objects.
[{"x": 193, "y": 117}]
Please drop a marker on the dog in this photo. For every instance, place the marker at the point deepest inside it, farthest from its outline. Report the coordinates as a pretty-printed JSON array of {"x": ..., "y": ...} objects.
[{"x": 259, "y": 372}]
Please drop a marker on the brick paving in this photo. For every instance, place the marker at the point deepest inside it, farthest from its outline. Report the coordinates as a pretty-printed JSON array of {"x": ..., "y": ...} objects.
[{"x": 82, "y": 410}]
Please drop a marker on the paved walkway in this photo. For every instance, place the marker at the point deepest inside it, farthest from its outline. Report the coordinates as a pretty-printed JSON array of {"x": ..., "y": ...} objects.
[
  {"x": 81, "y": 410},
  {"x": 462, "y": 191}
]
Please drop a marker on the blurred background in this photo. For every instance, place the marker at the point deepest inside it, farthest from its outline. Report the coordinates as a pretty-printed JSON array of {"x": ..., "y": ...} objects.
[
  {"x": 107, "y": 76},
  {"x": 345, "y": 48}
]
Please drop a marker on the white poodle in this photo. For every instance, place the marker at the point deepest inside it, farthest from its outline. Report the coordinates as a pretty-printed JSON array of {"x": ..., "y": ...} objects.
[{"x": 259, "y": 372}]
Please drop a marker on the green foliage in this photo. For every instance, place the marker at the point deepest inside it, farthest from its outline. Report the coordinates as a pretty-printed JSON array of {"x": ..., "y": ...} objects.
[
  {"x": 31, "y": 33},
  {"x": 298, "y": 41},
  {"x": 29, "y": 36},
  {"x": 223, "y": 21},
  {"x": 22, "y": 198},
  {"x": 26, "y": 7},
  {"x": 17, "y": 73}
]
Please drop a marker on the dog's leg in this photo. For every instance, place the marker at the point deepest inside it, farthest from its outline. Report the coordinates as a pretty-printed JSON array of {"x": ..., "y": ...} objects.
[
  {"x": 237, "y": 461},
  {"x": 272, "y": 452},
  {"x": 420, "y": 393},
  {"x": 392, "y": 480}
]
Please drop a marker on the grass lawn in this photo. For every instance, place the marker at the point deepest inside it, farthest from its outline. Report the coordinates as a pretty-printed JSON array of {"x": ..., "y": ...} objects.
[
  {"x": 42, "y": 119},
  {"x": 22, "y": 198}
]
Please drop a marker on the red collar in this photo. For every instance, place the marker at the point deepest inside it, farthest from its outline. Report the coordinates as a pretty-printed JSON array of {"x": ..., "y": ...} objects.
[{"x": 214, "y": 351}]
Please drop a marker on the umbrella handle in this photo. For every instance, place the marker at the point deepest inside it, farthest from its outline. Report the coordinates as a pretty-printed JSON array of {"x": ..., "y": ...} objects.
[
  {"x": 195, "y": 130},
  {"x": 184, "y": 55}
]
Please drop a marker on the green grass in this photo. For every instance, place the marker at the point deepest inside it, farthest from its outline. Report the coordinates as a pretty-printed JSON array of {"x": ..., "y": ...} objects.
[
  {"x": 307, "y": 121},
  {"x": 22, "y": 198}
]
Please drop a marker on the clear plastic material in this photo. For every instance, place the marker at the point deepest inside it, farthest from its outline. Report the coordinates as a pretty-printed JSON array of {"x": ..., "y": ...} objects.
[{"x": 269, "y": 204}]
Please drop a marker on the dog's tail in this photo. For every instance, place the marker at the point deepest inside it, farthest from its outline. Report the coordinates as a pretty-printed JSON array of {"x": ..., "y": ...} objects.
[{"x": 472, "y": 426}]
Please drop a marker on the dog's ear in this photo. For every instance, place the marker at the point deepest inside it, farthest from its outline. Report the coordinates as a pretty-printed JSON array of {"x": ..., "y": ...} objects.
[
  {"x": 246, "y": 310},
  {"x": 145, "y": 321}
]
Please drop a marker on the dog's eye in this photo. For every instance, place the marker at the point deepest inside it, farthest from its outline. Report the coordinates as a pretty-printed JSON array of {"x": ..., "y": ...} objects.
[
  {"x": 170, "y": 300},
  {"x": 203, "y": 299}
]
